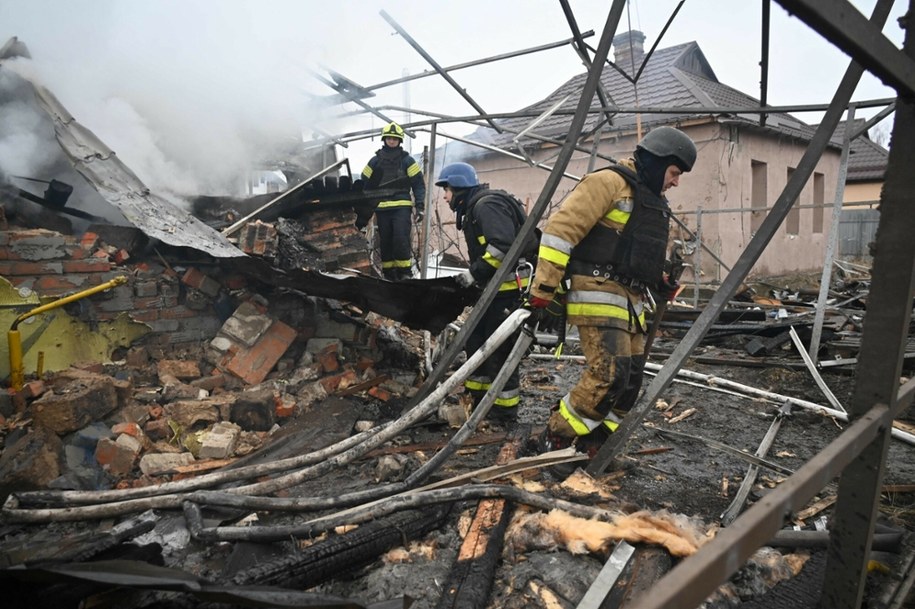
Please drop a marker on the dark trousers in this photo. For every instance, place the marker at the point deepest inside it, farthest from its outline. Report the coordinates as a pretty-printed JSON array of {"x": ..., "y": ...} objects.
[
  {"x": 394, "y": 234},
  {"x": 479, "y": 381}
]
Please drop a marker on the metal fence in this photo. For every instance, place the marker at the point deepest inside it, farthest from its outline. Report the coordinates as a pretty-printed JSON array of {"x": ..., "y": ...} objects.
[{"x": 857, "y": 230}]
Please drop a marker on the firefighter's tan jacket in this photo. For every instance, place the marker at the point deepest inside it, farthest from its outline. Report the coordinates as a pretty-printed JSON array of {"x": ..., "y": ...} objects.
[{"x": 601, "y": 197}]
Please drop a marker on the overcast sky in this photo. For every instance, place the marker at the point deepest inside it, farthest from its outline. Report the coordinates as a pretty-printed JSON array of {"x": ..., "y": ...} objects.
[{"x": 185, "y": 88}]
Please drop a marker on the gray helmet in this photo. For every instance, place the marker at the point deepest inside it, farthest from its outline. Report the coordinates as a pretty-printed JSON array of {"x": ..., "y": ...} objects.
[{"x": 669, "y": 142}]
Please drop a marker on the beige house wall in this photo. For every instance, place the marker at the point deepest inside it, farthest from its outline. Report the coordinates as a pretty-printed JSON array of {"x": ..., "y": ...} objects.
[
  {"x": 859, "y": 193},
  {"x": 720, "y": 180}
]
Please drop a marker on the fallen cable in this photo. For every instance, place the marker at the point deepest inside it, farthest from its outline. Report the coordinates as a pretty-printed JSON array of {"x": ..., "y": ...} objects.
[
  {"x": 383, "y": 508},
  {"x": 191, "y": 484}
]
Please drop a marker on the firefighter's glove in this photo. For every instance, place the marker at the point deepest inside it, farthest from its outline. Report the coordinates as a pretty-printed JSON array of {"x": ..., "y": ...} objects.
[
  {"x": 546, "y": 314},
  {"x": 465, "y": 279},
  {"x": 668, "y": 288},
  {"x": 418, "y": 216}
]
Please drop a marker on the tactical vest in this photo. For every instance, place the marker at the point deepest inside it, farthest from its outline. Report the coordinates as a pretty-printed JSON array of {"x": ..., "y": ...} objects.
[
  {"x": 391, "y": 167},
  {"x": 635, "y": 255},
  {"x": 472, "y": 232}
]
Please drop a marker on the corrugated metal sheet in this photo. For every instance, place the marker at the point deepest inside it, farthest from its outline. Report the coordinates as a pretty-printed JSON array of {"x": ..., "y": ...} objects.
[
  {"x": 118, "y": 185},
  {"x": 857, "y": 230}
]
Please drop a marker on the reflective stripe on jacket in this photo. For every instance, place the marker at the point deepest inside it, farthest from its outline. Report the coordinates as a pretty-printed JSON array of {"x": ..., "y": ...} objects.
[
  {"x": 604, "y": 199},
  {"x": 396, "y": 166},
  {"x": 491, "y": 223}
]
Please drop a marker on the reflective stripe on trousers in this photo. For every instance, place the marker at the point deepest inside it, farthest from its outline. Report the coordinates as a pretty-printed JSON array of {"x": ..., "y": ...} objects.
[{"x": 608, "y": 386}]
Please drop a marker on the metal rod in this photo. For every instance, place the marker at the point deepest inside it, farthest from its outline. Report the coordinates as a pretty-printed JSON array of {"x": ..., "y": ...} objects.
[
  {"x": 470, "y": 64},
  {"x": 603, "y": 583},
  {"x": 740, "y": 498},
  {"x": 658, "y": 41},
  {"x": 830, "y": 396},
  {"x": 832, "y": 243},
  {"x": 351, "y": 96},
  {"x": 507, "y": 153},
  {"x": 461, "y": 91},
  {"x": 427, "y": 216},
  {"x": 872, "y": 121},
  {"x": 582, "y": 51},
  {"x": 691, "y": 110},
  {"x": 234, "y": 227},
  {"x": 764, "y": 60}
]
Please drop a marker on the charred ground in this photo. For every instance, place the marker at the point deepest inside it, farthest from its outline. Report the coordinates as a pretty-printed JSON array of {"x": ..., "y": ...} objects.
[{"x": 681, "y": 474}]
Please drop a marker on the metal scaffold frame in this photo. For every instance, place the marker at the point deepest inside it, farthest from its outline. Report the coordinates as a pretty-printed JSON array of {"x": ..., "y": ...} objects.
[{"x": 858, "y": 455}]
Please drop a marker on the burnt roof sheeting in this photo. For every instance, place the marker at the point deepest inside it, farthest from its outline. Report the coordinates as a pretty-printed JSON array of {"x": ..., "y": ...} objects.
[
  {"x": 118, "y": 185},
  {"x": 427, "y": 304},
  {"x": 674, "y": 77}
]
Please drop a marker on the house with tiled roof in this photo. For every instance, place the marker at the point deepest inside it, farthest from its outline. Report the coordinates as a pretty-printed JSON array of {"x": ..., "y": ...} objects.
[
  {"x": 742, "y": 168},
  {"x": 866, "y": 167}
]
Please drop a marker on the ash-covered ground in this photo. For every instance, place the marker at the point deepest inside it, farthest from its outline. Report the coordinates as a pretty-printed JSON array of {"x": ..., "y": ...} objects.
[
  {"x": 540, "y": 559},
  {"x": 681, "y": 475}
]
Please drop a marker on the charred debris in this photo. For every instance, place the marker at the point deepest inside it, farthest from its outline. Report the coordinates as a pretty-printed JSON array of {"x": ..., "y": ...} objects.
[
  {"x": 233, "y": 422},
  {"x": 191, "y": 460}
]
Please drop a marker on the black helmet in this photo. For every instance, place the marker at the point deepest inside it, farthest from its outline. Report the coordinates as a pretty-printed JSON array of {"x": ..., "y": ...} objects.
[
  {"x": 665, "y": 142},
  {"x": 458, "y": 175}
]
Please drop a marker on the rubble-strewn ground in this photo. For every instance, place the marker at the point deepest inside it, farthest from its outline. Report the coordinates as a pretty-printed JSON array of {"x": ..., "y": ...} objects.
[
  {"x": 543, "y": 562},
  {"x": 687, "y": 477}
]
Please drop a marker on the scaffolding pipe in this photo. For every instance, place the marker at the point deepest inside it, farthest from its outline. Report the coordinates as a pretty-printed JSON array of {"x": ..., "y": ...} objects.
[{"x": 826, "y": 277}]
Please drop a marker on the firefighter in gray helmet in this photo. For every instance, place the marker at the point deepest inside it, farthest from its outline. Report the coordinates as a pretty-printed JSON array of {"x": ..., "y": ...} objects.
[
  {"x": 607, "y": 242},
  {"x": 392, "y": 167}
]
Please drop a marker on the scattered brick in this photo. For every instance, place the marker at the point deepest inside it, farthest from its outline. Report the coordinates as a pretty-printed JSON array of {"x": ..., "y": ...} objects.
[
  {"x": 131, "y": 429},
  {"x": 285, "y": 407},
  {"x": 252, "y": 365},
  {"x": 210, "y": 383},
  {"x": 89, "y": 241},
  {"x": 196, "y": 279},
  {"x": 182, "y": 370},
  {"x": 115, "y": 457},
  {"x": 158, "y": 429},
  {"x": 382, "y": 394},
  {"x": 33, "y": 389}
]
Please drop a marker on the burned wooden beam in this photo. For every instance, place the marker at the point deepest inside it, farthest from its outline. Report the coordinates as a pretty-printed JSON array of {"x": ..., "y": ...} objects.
[
  {"x": 327, "y": 559},
  {"x": 471, "y": 577},
  {"x": 442, "y": 300}
]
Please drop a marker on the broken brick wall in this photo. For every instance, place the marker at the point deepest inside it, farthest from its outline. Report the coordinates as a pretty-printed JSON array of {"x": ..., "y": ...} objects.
[{"x": 44, "y": 266}]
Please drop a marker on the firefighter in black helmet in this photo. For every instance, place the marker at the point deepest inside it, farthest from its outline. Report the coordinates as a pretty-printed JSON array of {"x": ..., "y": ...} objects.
[
  {"x": 609, "y": 240},
  {"x": 392, "y": 167}
]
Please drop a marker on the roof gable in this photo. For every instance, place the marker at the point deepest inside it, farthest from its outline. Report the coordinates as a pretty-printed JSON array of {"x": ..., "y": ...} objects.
[{"x": 674, "y": 77}]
